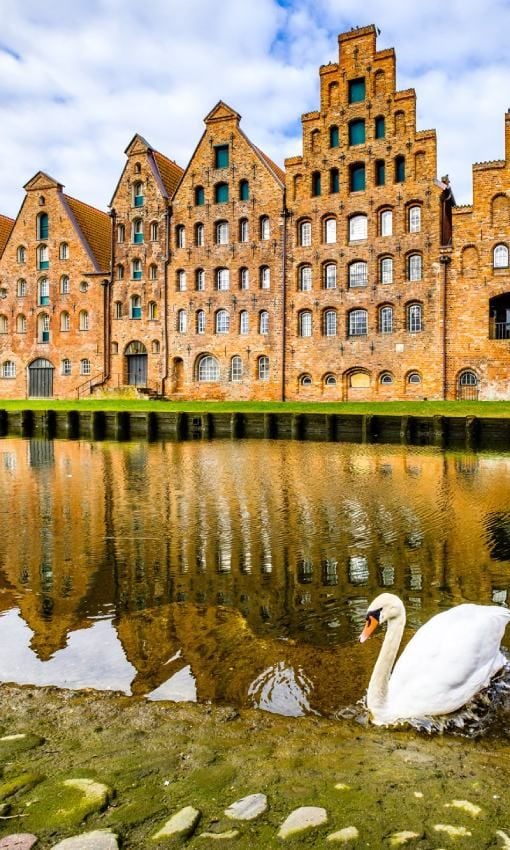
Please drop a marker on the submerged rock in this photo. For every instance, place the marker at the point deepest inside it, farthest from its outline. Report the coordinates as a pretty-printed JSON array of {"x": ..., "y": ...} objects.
[
  {"x": 248, "y": 808},
  {"x": 182, "y": 824},
  {"x": 20, "y": 841},
  {"x": 100, "y": 839},
  {"x": 306, "y": 817}
]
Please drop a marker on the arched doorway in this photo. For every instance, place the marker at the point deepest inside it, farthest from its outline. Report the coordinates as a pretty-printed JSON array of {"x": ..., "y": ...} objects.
[
  {"x": 40, "y": 379},
  {"x": 467, "y": 386},
  {"x": 136, "y": 355},
  {"x": 178, "y": 374},
  {"x": 357, "y": 385}
]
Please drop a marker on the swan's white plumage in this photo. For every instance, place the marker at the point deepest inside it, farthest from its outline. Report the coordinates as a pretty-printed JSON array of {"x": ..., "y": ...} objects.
[{"x": 449, "y": 660}]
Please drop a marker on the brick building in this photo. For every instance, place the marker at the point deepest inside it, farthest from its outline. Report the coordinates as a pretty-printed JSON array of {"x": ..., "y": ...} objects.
[{"x": 348, "y": 276}]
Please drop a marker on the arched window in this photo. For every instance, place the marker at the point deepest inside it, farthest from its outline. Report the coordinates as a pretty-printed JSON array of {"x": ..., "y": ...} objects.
[
  {"x": 334, "y": 137},
  {"x": 153, "y": 311},
  {"x": 138, "y": 194},
  {"x": 334, "y": 181},
  {"x": 43, "y": 327},
  {"x": 468, "y": 379},
  {"x": 414, "y": 267},
  {"x": 357, "y": 132},
  {"x": 379, "y": 127},
  {"x": 330, "y": 231},
  {"x": 221, "y": 232},
  {"x": 200, "y": 322},
  {"x": 155, "y": 346},
  {"x": 66, "y": 366},
  {"x": 21, "y": 254},
  {"x": 43, "y": 259},
  {"x": 153, "y": 271},
  {"x": 182, "y": 321},
  {"x": 265, "y": 227},
  {"x": 4, "y": 325},
  {"x": 208, "y": 369},
  {"x": 386, "y": 270},
  {"x": 221, "y": 193},
  {"x": 305, "y": 278},
  {"x": 358, "y": 274},
  {"x": 500, "y": 257},
  {"x": 244, "y": 190},
  {"x": 135, "y": 307},
  {"x": 236, "y": 369},
  {"x": 358, "y": 323},
  {"x": 222, "y": 322},
  {"x": 200, "y": 280},
  {"x": 386, "y": 223},
  {"x": 154, "y": 231},
  {"x": 315, "y": 138},
  {"x": 400, "y": 169},
  {"x": 305, "y": 233},
  {"x": 380, "y": 172},
  {"x": 244, "y": 322},
  {"x": 305, "y": 323},
  {"x": 244, "y": 278},
  {"x": 222, "y": 280},
  {"x": 330, "y": 323},
  {"x": 136, "y": 269},
  {"x": 357, "y": 177},
  {"x": 329, "y": 381},
  {"x": 138, "y": 231},
  {"x": 414, "y": 219},
  {"x": 305, "y": 380},
  {"x": 117, "y": 310},
  {"x": 244, "y": 230},
  {"x": 8, "y": 369},
  {"x": 414, "y": 378},
  {"x": 180, "y": 236},
  {"x": 263, "y": 368},
  {"x": 85, "y": 366},
  {"x": 414, "y": 318},
  {"x": 265, "y": 277},
  {"x": 83, "y": 320},
  {"x": 358, "y": 227},
  {"x": 43, "y": 288},
  {"x": 386, "y": 320},
  {"x": 65, "y": 287},
  {"x": 199, "y": 235},
  {"x": 21, "y": 324},
  {"x": 181, "y": 280},
  {"x": 21, "y": 288},
  {"x": 263, "y": 322},
  {"x": 120, "y": 272},
  {"x": 42, "y": 226},
  {"x": 386, "y": 378},
  {"x": 65, "y": 321},
  {"x": 316, "y": 184},
  {"x": 199, "y": 196},
  {"x": 330, "y": 276},
  {"x": 63, "y": 251},
  {"x": 121, "y": 233}
]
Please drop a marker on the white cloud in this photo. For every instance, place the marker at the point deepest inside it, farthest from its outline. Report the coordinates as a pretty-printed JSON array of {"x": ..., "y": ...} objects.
[{"x": 91, "y": 74}]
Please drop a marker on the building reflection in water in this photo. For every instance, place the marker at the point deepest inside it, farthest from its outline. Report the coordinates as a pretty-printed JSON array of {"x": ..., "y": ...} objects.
[{"x": 235, "y": 571}]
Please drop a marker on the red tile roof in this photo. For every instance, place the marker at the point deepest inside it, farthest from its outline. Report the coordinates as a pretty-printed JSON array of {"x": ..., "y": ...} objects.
[
  {"x": 95, "y": 226},
  {"x": 169, "y": 172},
  {"x": 6, "y": 225},
  {"x": 271, "y": 165}
]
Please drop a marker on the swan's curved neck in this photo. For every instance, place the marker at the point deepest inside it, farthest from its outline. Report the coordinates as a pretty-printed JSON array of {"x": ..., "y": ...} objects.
[{"x": 378, "y": 686}]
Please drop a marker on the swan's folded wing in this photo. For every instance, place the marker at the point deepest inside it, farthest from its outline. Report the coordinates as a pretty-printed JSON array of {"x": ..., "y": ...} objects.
[{"x": 449, "y": 660}]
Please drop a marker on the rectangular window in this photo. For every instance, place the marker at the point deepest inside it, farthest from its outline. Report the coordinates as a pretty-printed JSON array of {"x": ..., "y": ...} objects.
[
  {"x": 380, "y": 173},
  {"x": 357, "y": 132},
  {"x": 330, "y": 231},
  {"x": 380, "y": 129},
  {"x": 357, "y": 90},
  {"x": 358, "y": 178},
  {"x": 221, "y": 156},
  {"x": 334, "y": 181}
]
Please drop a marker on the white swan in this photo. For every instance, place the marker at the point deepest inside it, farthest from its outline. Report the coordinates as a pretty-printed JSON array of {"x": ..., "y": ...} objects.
[{"x": 449, "y": 659}]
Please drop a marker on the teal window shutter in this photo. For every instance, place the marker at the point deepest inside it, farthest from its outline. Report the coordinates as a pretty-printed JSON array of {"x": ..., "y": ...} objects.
[
  {"x": 380, "y": 127},
  {"x": 380, "y": 173},
  {"x": 138, "y": 200},
  {"x": 43, "y": 226},
  {"x": 221, "y": 156},
  {"x": 358, "y": 178},
  {"x": 334, "y": 137},
  {"x": 334, "y": 181},
  {"x": 221, "y": 193},
  {"x": 199, "y": 196},
  {"x": 316, "y": 184},
  {"x": 357, "y": 132},
  {"x": 244, "y": 190},
  {"x": 400, "y": 169},
  {"x": 356, "y": 90}
]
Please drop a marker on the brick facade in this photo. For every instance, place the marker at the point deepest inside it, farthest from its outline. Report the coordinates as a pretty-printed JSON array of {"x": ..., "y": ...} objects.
[{"x": 346, "y": 277}]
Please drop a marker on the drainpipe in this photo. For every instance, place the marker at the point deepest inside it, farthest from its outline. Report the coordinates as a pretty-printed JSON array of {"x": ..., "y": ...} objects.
[
  {"x": 168, "y": 215},
  {"x": 284, "y": 297},
  {"x": 445, "y": 262},
  {"x": 108, "y": 285}
]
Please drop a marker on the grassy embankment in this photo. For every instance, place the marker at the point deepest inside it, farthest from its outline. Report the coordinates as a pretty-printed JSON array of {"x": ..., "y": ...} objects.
[{"x": 386, "y": 408}]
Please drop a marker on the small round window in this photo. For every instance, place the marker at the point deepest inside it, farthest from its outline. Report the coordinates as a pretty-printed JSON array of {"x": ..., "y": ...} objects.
[
  {"x": 414, "y": 378},
  {"x": 386, "y": 378},
  {"x": 305, "y": 380},
  {"x": 84, "y": 286},
  {"x": 330, "y": 381}
]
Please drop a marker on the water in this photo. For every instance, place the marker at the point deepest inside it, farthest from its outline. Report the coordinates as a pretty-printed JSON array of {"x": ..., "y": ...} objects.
[{"x": 235, "y": 572}]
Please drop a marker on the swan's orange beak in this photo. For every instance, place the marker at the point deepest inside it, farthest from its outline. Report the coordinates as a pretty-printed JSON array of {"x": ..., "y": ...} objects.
[{"x": 370, "y": 627}]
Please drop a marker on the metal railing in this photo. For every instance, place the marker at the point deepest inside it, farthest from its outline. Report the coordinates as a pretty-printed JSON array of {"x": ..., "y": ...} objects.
[
  {"x": 87, "y": 387},
  {"x": 499, "y": 330}
]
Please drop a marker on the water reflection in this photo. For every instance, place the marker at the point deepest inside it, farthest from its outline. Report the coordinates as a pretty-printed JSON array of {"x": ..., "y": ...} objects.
[{"x": 234, "y": 571}]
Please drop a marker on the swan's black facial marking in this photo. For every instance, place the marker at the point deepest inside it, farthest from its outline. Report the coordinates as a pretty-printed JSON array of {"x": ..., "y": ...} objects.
[{"x": 375, "y": 614}]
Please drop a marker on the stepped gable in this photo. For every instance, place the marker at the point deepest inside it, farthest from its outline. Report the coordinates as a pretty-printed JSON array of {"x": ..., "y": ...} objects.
[
  {"x": 6, "y": 225},
  {"x": 95, "y": 226}
]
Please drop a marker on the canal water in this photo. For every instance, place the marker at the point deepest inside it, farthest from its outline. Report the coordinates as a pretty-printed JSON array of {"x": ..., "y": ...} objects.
[{"x": 235, "y": 571}]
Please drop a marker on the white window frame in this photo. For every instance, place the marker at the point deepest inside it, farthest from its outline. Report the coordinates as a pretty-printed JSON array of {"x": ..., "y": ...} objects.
[
  {"x": 244, "y": 322},
  {"x": 222, "y": 280},
  {"x": 414, "y": 219},
  {"x": 222, "y": 232},
  {"x": 264, "y": 322},
  {"x": 386, "y": 269},
  {"x": 358, "y": 227},
  {"x": 305, "y": 234},
  {"x": 305, "y": 279},
  {"x": 358, "y": 323},
  {"x": 305, "y": 323},
  {"x": 415, "y": 267},
  {"x": 182, "y": 321},
  {"x": 330, "y": 231},
  {"x": 386, "y": 222},
  {"x": 330, "y": 323},
  {"x": 265, "y": 277},
  {"x": 222, "y": 322}
]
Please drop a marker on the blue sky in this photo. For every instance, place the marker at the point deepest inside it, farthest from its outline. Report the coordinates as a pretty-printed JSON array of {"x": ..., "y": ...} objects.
[{"x": 78, "y": 79}]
